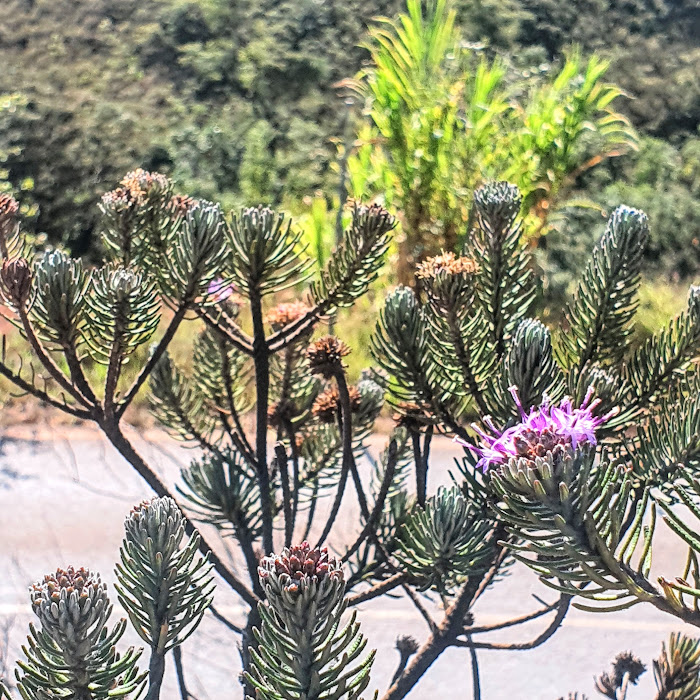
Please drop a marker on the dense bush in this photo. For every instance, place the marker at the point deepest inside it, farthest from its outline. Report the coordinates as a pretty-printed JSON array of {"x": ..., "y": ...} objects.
[{"x": 581, "y": 440}]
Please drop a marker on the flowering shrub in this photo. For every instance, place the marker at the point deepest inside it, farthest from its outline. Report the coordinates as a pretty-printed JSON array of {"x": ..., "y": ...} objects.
[{"x": 578, "y": 439}]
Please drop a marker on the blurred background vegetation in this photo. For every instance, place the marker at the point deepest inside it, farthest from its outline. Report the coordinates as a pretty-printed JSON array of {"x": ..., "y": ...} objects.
[{"x": 247, "y": 101}]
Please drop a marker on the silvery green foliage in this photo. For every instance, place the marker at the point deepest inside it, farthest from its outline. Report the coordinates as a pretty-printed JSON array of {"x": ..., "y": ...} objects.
[
  {"x": 72, "y": 654},
  {"x": 304, "y": 650},
  {"x": 444, "y": 543},
  {"x": 59, "y": 295},
  {"x": 164, "y": 585}
]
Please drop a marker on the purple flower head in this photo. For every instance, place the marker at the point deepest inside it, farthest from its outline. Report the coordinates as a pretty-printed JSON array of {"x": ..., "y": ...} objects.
[{"x": 544, "y": 430}]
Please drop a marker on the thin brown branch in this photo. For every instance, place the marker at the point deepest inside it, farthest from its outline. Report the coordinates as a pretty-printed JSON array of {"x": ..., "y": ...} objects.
[
  {"x": 29, "y": 388},
  {"x": 562, "y": 609},
  {"x": 152, "y": 361},
  {"x": 113, "y": 432},
  {"x": 377, "y": 590}
]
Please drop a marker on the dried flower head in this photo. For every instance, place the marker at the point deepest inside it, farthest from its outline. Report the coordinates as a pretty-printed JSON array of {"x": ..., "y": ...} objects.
[
  {"x": 284, "y": 314},
  {"x": 406, "y": 645},
  {"x": 327, "y": 403},
  {"x": 326, "y": 356},
  {"x": 547, "y": 430},
  {"x": 299, "y": 565},
  {"x": 281, "y": 413},
  {"x": 16, "y": 280},
  {"x": 447, "y": 279},
  {"x": 142, "y": 183},
  {"x": 73, "y": 606}
]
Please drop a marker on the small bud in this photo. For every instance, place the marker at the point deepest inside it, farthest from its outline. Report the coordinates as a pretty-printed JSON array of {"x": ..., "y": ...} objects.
[
  {"x": 73, "y": 606},
  {"x": 325, "y": 356},
  {"x": 16, "y": 280}
]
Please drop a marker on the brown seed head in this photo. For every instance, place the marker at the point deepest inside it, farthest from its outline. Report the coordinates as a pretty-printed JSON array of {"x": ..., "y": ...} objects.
[
  {"x": 406, "y": 645},
  {"x": 284, "y": 314},
  {"x": 326, "y": 405},
  {"x": 326, "y": 356},
  {"x": 16, "y": 280},
  {"x": 298, "y": 564}
]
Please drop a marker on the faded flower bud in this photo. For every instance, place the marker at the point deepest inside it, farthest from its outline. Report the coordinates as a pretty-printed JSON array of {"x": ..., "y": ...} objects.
[
  {"x": 447, "y": 280},
  {"x": 625, "y": 664},
  {"x": 326, "y": 356},
  {"x": 302, "y": 578},
  {"x": 284, "y": 314},
  {"x": 73, "y": 607},
  {"x": 16, "y": 280},
  {"x": 327, "y": 403}
]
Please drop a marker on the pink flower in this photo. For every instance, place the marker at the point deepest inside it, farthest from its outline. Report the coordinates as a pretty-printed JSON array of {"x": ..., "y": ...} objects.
[{"x": 543, "y": 431}]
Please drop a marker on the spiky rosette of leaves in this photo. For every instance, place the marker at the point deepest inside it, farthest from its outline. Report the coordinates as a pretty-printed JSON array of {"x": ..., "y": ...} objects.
[
  {"x": 303, "y": 652},
  {"x": 223, "y": 492},
  {"x": 73, "y": 654},
  {"x": 600, "y": 316},
  {"x": 177, "y": 405},
  {"x": 138, "y": 217},
  {"x": 164, "y": 585},
  {"x": 447, "y": 541},
  {"x": 653, "y": 366},
  {"x": 123, "y": 313},
  {"x": 677, "y": 670},
  {"x": 530, "y": 366},
  {"x": 505, "y": 282},
  {"x": 399, "y": 345},
  {"x": 196, "y": 257},
  {"x": 59, "y": 287},
  {"x": 357, "y": 260},
  {"x": 267, "y": 256}
]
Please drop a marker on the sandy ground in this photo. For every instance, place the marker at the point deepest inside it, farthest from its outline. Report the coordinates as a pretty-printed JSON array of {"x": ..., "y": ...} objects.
[{"x": 63, "y": 499}]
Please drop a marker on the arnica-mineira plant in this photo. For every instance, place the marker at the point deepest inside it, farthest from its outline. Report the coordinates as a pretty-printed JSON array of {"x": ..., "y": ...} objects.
[
  {"x": 570, "y": 488},
  {"x": 544, "y": 430}
]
